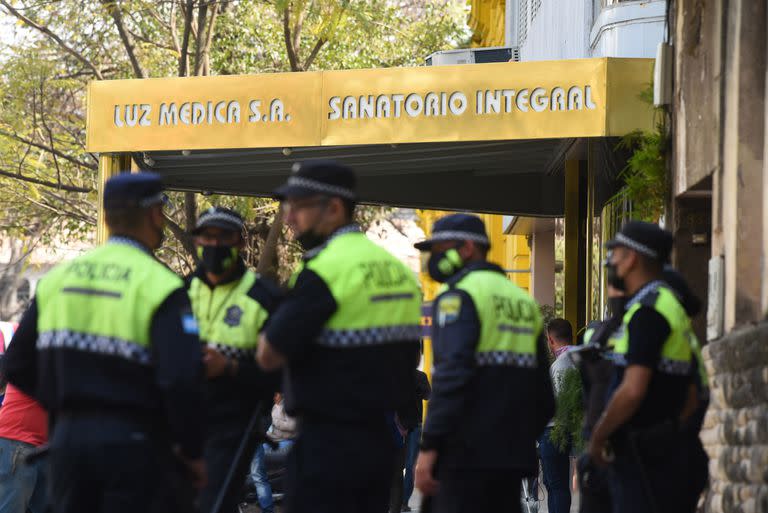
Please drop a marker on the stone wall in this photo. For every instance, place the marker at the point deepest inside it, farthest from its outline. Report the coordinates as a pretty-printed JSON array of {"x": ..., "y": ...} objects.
[{"x": 735, "y": 432}]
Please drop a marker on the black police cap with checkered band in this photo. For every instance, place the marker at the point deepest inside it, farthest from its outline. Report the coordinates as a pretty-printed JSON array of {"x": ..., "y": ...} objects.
[{"x": 312, "y": 177}]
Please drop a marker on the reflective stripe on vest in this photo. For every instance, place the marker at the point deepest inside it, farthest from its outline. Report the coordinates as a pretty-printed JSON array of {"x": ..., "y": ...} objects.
[
  {"x": 510, "y": 321},
  {"x": 103, "y": 302},
  {"x": 676, "y": 352},
  {"x": 228, "y": 319},
  {"x": 378, "y": 298}
]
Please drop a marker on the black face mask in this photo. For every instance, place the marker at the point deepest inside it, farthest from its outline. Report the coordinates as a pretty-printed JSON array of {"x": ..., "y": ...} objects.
[
  {"x": 310, "y": 240},
  {"x": 441, "y": 266},
  {"x": 613, "y": 278},
  {"x": 616, "y": 306},
  {"x": 218, "y": 259}
]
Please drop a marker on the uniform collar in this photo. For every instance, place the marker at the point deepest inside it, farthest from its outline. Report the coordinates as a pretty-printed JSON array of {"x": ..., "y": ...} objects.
[
  {"x": 644, "y": 291},
  {"x": 482, "y": 265},
  {"x": 350, "y": 228},
  {"x": 129, "y": 241}
]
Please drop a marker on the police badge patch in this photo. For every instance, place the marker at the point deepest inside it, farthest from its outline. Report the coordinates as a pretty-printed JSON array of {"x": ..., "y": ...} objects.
[
  {"x": 448, "y": 309},
  {"x": 234, "y": 313}
]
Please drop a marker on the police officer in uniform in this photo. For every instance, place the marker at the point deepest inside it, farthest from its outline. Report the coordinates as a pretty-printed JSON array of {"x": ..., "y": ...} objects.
[
  {"x": 654, "y": 361},
  {"x": 109, "y": 347},
  {"x": 231, "y": 305},
  {"x": 492, "y": 393},
  {"x": 348, "y": 335}
]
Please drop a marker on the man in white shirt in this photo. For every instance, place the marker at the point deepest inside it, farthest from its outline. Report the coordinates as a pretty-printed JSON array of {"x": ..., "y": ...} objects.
[{"x": 556, "y": 461}]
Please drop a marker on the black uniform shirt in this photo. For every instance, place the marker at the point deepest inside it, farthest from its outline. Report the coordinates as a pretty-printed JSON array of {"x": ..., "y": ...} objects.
[
  {"x": 482, "y": 416},
  {"x": 666, "y": 395},
  {"x": 358, "y": 384},
  {"x": 167, "y": 394}
]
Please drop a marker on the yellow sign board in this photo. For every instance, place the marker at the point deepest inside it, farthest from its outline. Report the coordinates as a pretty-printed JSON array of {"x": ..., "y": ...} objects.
[{"x": 529, "y": 100}]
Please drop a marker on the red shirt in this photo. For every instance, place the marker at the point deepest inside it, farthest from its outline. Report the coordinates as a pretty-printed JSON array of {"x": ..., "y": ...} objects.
[{"x": 22, "y": 418}]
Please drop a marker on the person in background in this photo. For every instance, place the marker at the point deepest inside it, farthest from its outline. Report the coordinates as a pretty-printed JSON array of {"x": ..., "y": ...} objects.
[
  {"x": 423, "y": 392},
  {"x": 654, "y": 360},
  {"x": 281, "y": 432},
  {"x": 596, "y": 375},
  {"x": 109, "y": 347},
  {"x": 23, "y": 428},
  {"x": 492, "y": 392},
  {"x": 231, "y": 305},
  {"x": 347, "y": 334},
  {"x": 556, "y": 461}
]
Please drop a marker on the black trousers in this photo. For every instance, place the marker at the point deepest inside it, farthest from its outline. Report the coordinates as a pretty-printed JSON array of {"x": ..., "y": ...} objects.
[
  {"x": 107, "y": 465},
  {"x": 595, "y": 494},
  {"x": 220, "y": 451},
  {"x": 652, "y": 477},
  {"x": 340, "y": 468},
  {"x": 475, "y": 491},
  {"x": 396, "y": 490}
]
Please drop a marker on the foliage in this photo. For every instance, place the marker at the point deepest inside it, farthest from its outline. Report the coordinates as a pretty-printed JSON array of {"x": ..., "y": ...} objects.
[
  {"x": 569, "y": 413},
  {"x": 48, "y": 180},
  {"x": 645, "y": 175},
  {"x": 547, "y": 313}
]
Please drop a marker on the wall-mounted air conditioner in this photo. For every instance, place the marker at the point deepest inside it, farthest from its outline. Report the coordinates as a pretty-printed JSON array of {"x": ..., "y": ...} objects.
[{"x": 474, "y": 56}]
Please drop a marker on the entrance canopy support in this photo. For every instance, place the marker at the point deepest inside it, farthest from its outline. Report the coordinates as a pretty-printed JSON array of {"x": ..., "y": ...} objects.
[{"x": 110, "y": 164}]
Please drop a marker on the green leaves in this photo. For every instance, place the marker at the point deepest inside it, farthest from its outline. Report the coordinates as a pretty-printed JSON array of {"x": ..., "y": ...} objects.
[
  {"x": 569, "y": 414},
  {"x": 645, "y": 176}
]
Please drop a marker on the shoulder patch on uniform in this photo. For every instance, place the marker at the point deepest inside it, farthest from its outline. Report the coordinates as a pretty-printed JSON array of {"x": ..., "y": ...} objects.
[
  {"x": 189, "y": 324},
  {"x": 448, "y": 308}
]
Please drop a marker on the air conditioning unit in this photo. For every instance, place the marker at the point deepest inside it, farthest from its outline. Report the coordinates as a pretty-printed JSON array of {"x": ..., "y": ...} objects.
[{"x": 474, "y": 56}]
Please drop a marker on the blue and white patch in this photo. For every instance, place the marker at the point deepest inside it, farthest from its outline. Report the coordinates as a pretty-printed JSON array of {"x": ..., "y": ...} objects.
[
  {"x": 448, "y": 309},
  {"x": 233, "y": 316},
  {"x": 189, "y": 324}
]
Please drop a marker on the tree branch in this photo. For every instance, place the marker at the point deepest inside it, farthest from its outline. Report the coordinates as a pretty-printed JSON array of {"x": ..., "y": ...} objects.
[
  {"x": 174, "y": 29},
  {"x": 181, "y": 236},
  {"x": 45, "y": 30},
  {"x": 314, "y": 52},
  {"x": 288, "y": 40},
  {"x": 114, "y": 10},
  {"x": 202, "y": 11},
  {"x": 49, "y": 149},
  {"x": 147, "y": 40},
  {"x": 183, "y": 62},
  {"x": 298, "y": 26},
  {"x": 209, "y": 41},
  {"x": 45, "y": 183}
]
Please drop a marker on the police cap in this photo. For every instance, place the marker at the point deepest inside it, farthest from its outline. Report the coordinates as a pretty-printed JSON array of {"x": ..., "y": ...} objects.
[
  {"x": 648, "y": 239},
  {"x": 456, "y": 227},
  {"x": 312, "y": 177},
  {"x": 219, "y": 217},
  {"x": 131, "y": 190}
]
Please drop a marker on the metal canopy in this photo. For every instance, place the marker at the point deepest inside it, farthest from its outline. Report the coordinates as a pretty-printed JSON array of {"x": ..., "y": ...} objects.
[{"x": 515, "y": 177}]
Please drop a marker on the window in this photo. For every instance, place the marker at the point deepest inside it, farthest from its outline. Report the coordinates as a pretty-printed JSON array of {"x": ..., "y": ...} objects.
[
  {"x": 526, "y": 13},
  {"x": 522, "y": 21}
]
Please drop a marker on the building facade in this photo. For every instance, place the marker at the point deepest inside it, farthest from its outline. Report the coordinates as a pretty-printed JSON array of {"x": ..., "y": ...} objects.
[
  {"x": 719, "y": 191},
  {"x": 557, "y": 30}
]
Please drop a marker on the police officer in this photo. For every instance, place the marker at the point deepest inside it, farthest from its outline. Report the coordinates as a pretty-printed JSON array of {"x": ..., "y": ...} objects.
[
  {"x": 596, "y": 377},
  {"x": 348, "y": 334},
  {"x": 492, "y": 393},
  {"x": 109, "y": 346},
  {"x": 654, "y": 362},
  {"x": 231, "y": 305}
]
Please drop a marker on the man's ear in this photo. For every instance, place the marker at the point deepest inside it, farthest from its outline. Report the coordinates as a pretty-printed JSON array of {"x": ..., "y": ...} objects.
[
  {"x": 336, "y": 208},
  {"x": 466, "y": 250},
  {"x": 156, "y": 214}
]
